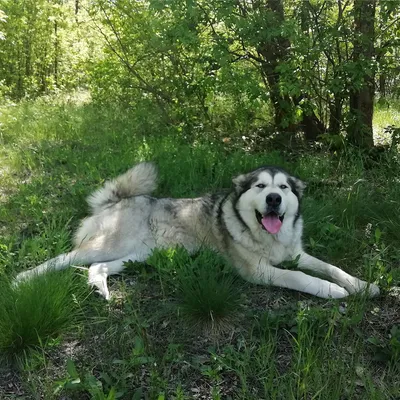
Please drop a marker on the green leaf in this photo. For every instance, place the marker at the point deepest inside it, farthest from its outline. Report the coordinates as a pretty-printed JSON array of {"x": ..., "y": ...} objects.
[
  {"x": 378, "y": 235},
  {"x": 71, "y": 369}
]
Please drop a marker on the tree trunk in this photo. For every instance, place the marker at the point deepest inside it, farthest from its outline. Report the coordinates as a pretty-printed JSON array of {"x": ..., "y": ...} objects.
[
  {"x": 312, "y": 126},
  {"x": 362, "y": 100},
  {"x": 382, "y": 85},
  {"x": 273, "y": 52},
  {"x": 281, "y": 103},
  {"x": 56, "y": 49},
  {"x": 77, "y": 7}
]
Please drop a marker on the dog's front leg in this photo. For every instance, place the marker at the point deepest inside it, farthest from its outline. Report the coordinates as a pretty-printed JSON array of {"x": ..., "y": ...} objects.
[
  {"x": 350, "y": 283},
  {"x": 269, "y": 275}
]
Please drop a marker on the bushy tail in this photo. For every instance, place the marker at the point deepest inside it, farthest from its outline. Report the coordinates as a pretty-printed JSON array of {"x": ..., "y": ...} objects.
[{"x": 139, "y": 180}]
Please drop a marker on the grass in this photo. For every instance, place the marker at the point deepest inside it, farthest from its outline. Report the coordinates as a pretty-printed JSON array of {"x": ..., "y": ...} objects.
[
  {"x": 386, "y": 114},
  {"x": 38, "y": 310},
  {"x": 151, "y": 340},
  {"x": 208, "y": 297}
]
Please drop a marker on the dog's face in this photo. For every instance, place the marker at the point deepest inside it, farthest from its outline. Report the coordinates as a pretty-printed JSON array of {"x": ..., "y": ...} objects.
[{"x": 267, "y": 196}]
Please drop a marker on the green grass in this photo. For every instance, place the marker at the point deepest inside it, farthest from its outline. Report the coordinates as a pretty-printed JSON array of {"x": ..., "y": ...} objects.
[
  {"x": 386, "y": 114},
  {"x": 209, "y": 298},
  {"x": 151, "y": 341},
  {"x": 38, "y": 310}
]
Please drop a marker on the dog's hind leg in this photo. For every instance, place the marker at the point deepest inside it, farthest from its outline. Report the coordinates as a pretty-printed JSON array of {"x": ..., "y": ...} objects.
[
  {"x": 99, "y": 272},
  {"x": 82, "y": 255},
  {"x": 56, "y": 264}
]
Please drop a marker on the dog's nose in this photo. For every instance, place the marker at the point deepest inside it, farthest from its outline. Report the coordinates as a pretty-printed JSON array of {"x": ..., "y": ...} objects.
[{"x": 274, "y": 199}]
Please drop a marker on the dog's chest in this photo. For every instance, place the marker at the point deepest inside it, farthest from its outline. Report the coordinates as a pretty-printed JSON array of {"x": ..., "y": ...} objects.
[
  {"x": 278, "y": 253},
  {"x": 269, "y": 248},
  {"x": 269, "y": 252}
]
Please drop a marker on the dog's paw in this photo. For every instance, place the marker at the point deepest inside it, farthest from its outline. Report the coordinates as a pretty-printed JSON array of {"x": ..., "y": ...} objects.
[
  {"x": 24, "y": 276},
  {"x": 98, "y": 279},
  {"x": 373, "y": 290},
  {"x": 336, "y": 291},
  {"x": 361, "y": 286}
]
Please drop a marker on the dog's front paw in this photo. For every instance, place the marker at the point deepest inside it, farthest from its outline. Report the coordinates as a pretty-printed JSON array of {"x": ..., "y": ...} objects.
[
  {"x": 24, "y": 276},
  {"x": 336, "y": 291},
  {"x": 373, "y": 290},
  {"x": 361, "y": 286}
]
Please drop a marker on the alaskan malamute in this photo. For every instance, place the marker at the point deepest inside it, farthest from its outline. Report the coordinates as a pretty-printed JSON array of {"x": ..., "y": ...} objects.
[{"x": 256, "y": 225}]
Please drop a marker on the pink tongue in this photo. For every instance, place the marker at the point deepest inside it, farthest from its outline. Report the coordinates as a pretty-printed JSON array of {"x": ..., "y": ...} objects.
[{"x": 272, "y": 223}]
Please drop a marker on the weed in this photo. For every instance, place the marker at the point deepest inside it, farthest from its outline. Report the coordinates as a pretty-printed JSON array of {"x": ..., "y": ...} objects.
[
  {"x": 75, "y": 382},
  {"x": 389, "y": 349}
]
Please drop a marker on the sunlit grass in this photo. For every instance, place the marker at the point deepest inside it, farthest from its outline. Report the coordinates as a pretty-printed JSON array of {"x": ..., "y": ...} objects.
[{"x": 386, "y": 113}]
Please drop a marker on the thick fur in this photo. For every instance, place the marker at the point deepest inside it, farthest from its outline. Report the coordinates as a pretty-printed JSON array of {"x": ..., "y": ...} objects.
[
  {"x": 137, "y": 181},
  {"x": 127, "y": 224}
]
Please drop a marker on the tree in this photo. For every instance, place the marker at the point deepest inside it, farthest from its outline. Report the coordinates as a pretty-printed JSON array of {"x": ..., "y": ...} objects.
[
  {"x": 362, "y": 96},
  {"x": 237, "y": 65},
  {"x": 42, "y": 46}
]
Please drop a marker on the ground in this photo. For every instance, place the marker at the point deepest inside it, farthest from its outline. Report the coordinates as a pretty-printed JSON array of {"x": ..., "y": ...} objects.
[{"x": 155, "y": 339}]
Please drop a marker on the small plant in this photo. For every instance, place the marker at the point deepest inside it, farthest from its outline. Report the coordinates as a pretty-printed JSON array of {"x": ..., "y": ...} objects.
[
  {"x": 209, "y": 296},
  {"x": 74, "y": 382},
  {"x": 38, "y": 309},
  {"x": 387, "y": 350}
]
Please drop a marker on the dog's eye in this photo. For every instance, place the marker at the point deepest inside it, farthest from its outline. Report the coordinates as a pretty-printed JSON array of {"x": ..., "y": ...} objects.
[
  {"x": 283, "y": 187},
  {"x": 261, "y": 186}
]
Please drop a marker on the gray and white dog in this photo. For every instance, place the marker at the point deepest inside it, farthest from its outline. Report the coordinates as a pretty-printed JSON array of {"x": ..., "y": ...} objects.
[{"x": 256, "y": 226}]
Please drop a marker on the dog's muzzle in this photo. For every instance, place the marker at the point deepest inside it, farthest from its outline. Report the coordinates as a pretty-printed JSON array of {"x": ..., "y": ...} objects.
[{"x": 271, "y": 221}]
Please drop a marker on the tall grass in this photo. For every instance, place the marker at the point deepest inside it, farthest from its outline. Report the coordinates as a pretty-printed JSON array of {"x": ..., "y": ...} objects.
[
  {"x": 39, "y": 309},
  {"x": 208, "y": 297}
]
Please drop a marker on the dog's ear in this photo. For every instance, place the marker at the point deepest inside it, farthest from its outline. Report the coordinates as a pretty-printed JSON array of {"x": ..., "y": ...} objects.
[
  {"x": 297, "y": 186},
  {"x": 238, "y": 180},
  {"x": 242, "y": 182}
]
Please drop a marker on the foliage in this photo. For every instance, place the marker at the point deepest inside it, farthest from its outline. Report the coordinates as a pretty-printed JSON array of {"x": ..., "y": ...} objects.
[
  {"x": 296, "y": 59},
  {"x": 44, "y": 46},
  {"x": 389, "y": 349},
  {"x": 74, "y": 382},
  {"x": 240, "y": 68}
]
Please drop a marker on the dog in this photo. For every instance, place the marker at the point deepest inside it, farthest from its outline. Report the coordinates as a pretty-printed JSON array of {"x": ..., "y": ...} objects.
[{"x": 256, "y": 225}]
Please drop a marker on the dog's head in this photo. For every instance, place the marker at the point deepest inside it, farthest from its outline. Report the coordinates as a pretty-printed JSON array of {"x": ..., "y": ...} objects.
[{"x": 266, "y": 196}]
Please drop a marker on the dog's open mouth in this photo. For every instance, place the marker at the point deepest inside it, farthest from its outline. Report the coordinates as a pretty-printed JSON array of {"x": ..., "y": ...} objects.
[{"x": 271, "y": 221}]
